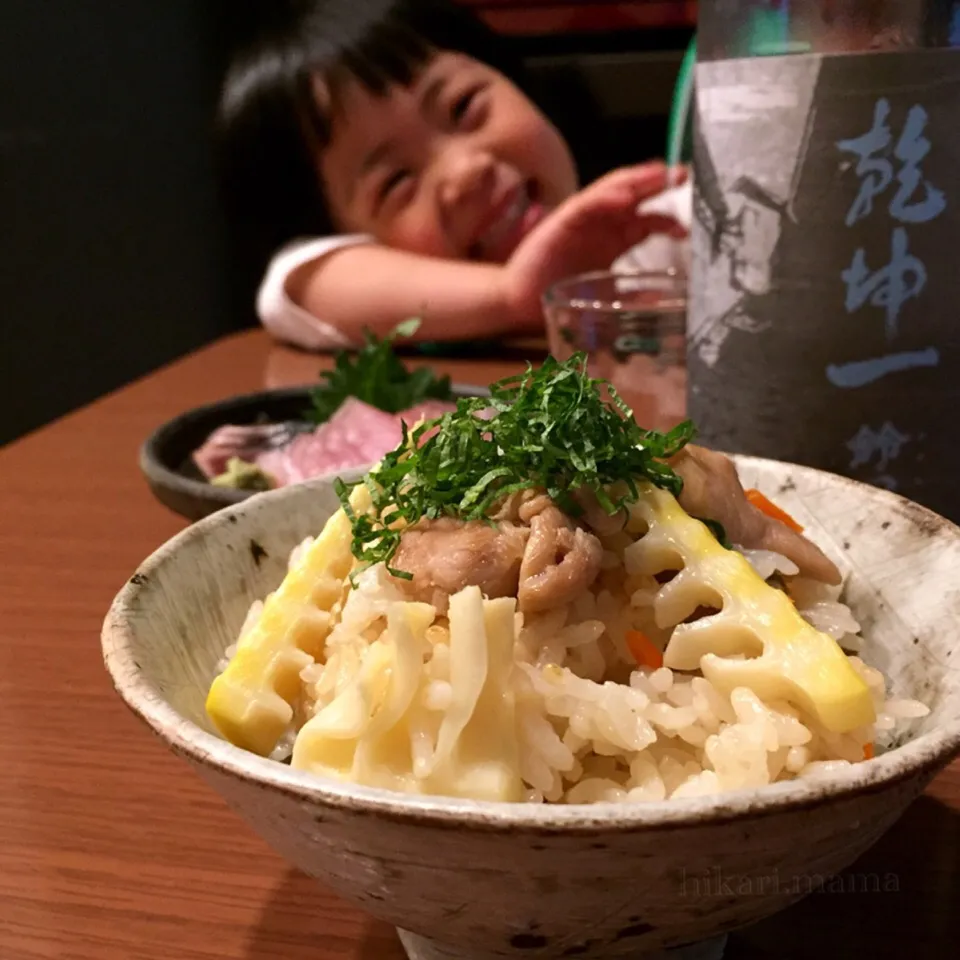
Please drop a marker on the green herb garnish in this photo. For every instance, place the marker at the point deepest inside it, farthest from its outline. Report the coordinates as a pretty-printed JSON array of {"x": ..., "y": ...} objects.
[
  {"x": 717, "y": 529},
  {"x": 377, "y": 376},
  {"x": 551, "y": 429}
]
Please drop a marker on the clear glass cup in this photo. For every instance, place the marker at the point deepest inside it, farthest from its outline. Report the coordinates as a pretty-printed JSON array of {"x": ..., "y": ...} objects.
[{"x": 632, "y": 327}]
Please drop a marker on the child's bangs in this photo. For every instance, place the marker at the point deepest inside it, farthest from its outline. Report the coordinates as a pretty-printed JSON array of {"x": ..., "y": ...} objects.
[{"x": 389, "y": 54}]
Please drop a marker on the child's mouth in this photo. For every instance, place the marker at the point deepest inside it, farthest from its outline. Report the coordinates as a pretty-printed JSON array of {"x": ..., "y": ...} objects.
[{"x": 508, "y": 224}]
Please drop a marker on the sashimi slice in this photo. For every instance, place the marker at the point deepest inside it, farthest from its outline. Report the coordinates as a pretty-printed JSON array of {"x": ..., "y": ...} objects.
[
  {"x": 356, "y": 435},
  {"x": 246, "y": 442}
]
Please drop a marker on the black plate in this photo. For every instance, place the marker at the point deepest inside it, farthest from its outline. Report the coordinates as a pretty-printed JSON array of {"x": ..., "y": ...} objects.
[{"x": 165, "y": 457}]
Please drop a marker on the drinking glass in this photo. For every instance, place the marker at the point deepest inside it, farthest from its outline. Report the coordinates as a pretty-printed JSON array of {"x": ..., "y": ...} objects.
[{"x": 632, "y": 327}]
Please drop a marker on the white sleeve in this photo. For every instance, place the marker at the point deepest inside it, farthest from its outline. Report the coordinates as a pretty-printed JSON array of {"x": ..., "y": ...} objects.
[
  {"x": 280, "y": 315},
  {"x": 662, "y": 252}
]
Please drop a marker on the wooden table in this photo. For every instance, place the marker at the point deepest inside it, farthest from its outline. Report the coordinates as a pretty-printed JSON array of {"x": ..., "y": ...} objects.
[{"x": 111, "y": 849}]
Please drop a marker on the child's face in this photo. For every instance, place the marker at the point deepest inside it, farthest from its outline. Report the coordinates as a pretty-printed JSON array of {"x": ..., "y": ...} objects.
[{"x": 459, "y": 165}]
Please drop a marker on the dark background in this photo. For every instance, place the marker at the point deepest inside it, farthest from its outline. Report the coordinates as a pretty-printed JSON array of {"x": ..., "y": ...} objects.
[{"x": 115, "y": 256}]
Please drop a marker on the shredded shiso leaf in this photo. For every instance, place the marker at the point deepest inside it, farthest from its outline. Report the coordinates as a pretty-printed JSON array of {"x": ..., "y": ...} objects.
[{"x": 554, "y": 428}]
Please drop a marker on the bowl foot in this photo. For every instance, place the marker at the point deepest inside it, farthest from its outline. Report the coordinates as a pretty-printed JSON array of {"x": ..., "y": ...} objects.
[{"x": 423, "y": 948}]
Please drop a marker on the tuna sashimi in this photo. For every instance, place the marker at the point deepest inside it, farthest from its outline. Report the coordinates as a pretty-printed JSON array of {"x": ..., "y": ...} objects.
[{"x": 356, "y": 435}]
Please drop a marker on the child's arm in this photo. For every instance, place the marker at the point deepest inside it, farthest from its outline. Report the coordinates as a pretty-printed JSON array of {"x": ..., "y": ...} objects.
[{"x": 374, "y": 287}]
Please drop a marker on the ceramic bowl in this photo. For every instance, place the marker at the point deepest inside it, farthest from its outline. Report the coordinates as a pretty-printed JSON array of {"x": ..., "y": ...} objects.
[
  {"x": 165, "y": 457},
  {"x": 477, "y": 881}
]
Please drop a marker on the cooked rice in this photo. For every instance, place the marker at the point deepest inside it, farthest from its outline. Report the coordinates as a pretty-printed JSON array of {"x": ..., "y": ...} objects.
[{"x": 594, "y": 727}]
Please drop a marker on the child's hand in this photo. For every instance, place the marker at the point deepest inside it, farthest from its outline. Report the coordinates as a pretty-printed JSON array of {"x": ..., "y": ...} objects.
[{"x": 588, "y": 232}]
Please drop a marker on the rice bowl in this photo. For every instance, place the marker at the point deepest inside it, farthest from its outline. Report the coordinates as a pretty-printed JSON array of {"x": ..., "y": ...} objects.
[
  {"x": 415, "y": 861},
  {"x": 579, "y": 870}
]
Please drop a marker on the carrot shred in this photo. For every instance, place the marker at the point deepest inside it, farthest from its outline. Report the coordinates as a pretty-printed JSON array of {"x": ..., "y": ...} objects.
[
  {"x": 868, "y": 752},
  {"x": 644, "y": 650},
  {"x": 772, "y": 510}
]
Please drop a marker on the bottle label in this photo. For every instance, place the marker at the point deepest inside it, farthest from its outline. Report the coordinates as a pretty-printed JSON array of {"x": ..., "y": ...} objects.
[{"x": 824, "y": 319}]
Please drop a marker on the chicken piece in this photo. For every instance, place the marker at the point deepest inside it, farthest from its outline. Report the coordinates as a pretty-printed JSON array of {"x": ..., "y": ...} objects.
[
  {"x": 444, "y": 556},
  {"x": 560, "y": 561},
  {"x": 603, "y": 524},
  {"x": 521, "y": 505},
  {"x": 539, "y": 502},
  {"x": 712, "y": 491}
]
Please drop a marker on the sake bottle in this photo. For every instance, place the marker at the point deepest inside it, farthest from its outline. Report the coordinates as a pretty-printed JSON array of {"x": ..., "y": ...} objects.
[{"x": 824, "y": 318}]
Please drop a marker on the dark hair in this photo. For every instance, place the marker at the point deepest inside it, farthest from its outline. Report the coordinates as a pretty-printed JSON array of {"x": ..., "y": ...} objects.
[{"x": 268, "y": 116}]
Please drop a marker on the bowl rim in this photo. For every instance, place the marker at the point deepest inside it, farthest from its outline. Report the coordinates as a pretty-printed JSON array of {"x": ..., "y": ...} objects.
[
  {"x": 918, "y": 759},
  {"x": 157, "y": 472}
]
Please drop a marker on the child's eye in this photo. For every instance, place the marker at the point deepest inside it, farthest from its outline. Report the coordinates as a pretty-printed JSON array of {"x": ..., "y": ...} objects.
[
  {"x": 464, "y": 107},
  {"x": 392, "y": 183}
]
